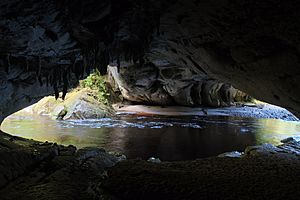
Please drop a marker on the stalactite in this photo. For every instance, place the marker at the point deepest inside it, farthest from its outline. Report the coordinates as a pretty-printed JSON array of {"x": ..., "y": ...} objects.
[
  {"x": 141, "y": 61},
  {"x": 135, "y": 58},
  {"x": 104, "y": 62},
  {"x": 94, "y": 57},
  {"x": 59, "y": 78},
  {"x": 69, "y": 71},
  {"x": 84, "y": 64},
  {"x": 7, "y": 67},
  {"x": 27, "y": 65},
  {"x": 73, "y": 67},
  {"x": 158, "y": 27},
  {"x": 111, "y": 57},
  {"x": 118, "y": 64},
  {"x": 47, "y": 80},
  {"x": 76, "y": 70},
  {"x": 56, "y": 93},
  {"x": 107, "y": 58},
  {"x": 88, "y": 70},
  {"x": 54, "y": 82},
  {"x": 82, "y": 71},
  {"x": 50, "y": 80},
  {"x": 66, "y": 84},
  {"x": 40, "y": 80},
  {"x": 73, "y": 61},
  {"x": 39, "y": 67}
]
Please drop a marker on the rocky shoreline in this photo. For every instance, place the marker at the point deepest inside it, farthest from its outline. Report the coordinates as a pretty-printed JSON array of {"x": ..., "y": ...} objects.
[{"x": 43, "y": 170}]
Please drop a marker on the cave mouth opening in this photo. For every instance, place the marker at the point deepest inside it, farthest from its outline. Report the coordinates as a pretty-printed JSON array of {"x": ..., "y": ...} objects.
[{"x": 97, "y": 114}]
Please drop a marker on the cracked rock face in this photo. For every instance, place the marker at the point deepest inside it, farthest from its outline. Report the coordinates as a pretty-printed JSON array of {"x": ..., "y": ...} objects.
[{"x": 253, "y": 45}]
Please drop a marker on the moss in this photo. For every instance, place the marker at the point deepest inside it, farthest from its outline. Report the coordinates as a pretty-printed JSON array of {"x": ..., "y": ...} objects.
[{"x": 97, "y": 83}]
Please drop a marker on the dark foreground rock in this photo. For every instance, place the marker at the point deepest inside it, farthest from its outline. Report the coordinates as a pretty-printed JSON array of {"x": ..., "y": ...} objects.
[
  {"x": 212, "y": 178},
  {"x": 261, "y": 172},
  {"x": 33, "y": 170}
]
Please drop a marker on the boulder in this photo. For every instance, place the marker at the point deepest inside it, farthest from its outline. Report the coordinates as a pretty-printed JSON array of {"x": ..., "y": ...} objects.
[
  {"x": 138, "y": 85},
  {"x": 79, "y": 104},
  {"x": 232, "y": 154}
]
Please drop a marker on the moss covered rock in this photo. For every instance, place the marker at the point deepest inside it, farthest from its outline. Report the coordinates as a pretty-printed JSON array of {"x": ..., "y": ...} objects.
[{"x": 78, "y": 104}]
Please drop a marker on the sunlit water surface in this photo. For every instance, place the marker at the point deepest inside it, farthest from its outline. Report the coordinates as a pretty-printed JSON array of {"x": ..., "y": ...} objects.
[{"x": 169, "y": 138}]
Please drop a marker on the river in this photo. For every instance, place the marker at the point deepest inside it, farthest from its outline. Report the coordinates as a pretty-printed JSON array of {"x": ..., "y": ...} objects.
[{"x": 168, "y": 138}]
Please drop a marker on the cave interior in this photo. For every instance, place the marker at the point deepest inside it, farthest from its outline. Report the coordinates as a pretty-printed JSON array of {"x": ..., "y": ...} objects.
[{"x": 163, "y": 52}]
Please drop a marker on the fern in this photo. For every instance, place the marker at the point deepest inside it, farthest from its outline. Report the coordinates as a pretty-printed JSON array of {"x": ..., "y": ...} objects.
[{"x": 96, "y": 82}]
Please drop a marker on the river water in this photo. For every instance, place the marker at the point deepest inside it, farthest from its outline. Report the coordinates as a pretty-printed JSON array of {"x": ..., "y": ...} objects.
[{"x": 168, "y": 138}]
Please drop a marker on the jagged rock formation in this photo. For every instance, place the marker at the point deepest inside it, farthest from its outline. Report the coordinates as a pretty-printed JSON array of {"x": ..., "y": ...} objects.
[
  {"x": 251, "y": 44},
  {"x": 171, "y": 86}
]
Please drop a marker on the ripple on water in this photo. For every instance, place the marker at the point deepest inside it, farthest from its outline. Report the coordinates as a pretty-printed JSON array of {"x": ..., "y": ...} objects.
[
  {"x": 191, "y": 125},
  {"x": 244, "y": 130},
  {"x": 142, "y": 122}
]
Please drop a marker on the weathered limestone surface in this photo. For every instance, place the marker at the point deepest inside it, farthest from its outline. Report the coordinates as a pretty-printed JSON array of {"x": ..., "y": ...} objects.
[
  {"x": 171, "y": 86},
  {"x": 252, "y": 45}
]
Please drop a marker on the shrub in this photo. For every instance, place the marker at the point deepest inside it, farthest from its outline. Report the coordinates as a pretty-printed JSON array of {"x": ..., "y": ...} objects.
[{"x": 96, "y": 82}]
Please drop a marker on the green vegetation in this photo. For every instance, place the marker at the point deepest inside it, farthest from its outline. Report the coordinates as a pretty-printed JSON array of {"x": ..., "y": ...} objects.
[{"x": 96, "y": 82}]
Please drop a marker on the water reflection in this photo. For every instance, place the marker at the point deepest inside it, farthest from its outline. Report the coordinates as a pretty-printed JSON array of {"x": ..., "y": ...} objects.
[
  {"x": 272, "y": 130},
  {"x": 168, "y": 138}
]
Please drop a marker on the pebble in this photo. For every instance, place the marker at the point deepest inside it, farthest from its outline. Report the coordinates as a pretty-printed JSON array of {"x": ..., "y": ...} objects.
[{"x": 154, "y": 160}]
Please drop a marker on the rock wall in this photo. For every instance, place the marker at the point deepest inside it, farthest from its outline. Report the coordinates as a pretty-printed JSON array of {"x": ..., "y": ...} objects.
[
  {"x": 170, "y": 85},
  {"x": 252, "y": 45},
  {"x": 18, "y": 90}
]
